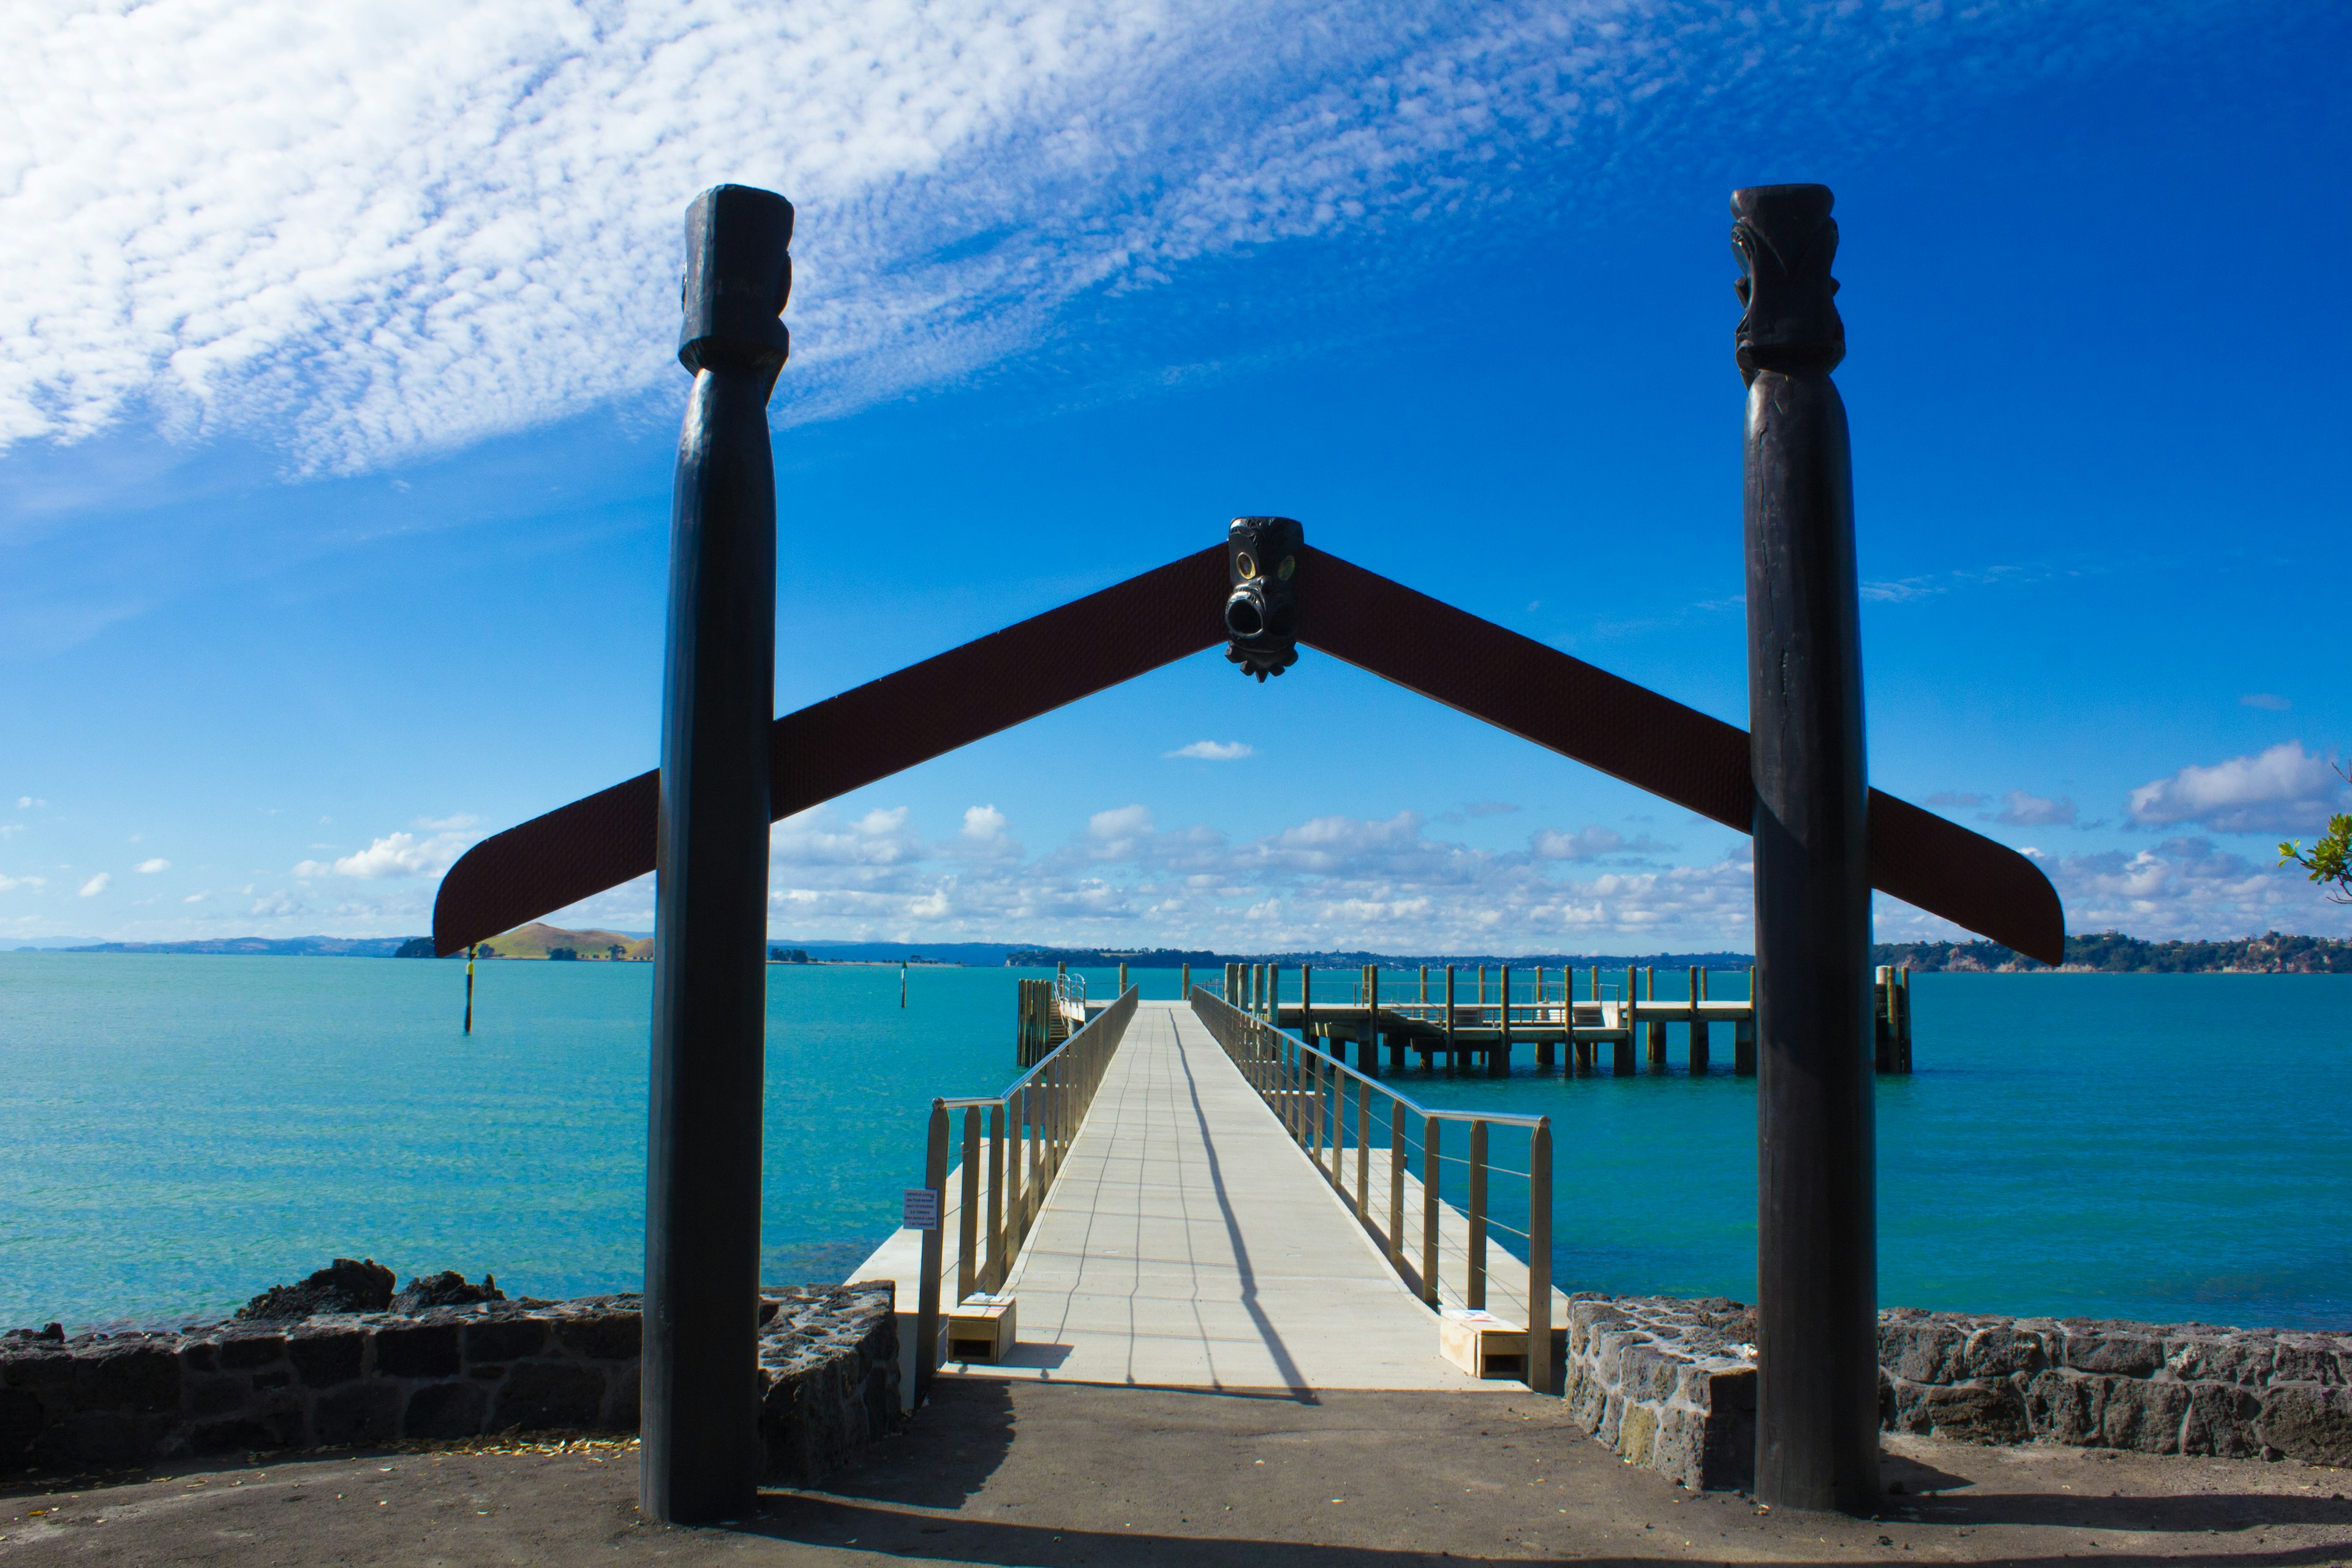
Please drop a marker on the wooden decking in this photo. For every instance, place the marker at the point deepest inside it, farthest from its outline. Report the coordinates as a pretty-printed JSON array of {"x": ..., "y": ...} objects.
[{"x": 1189, "y": 1243}]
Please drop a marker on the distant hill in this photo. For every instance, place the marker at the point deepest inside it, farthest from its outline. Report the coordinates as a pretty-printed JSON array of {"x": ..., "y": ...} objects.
[
  {"x": 263, "y": 947},
  {"x": 2112, "y": 953},
  {"x": 540, "y": 939}
]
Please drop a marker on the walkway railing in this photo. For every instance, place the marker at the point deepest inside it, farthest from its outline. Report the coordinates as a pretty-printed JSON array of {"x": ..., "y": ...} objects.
[
  {"x": 1317, "y": 1097},
  {"x": 1020, "y": 1137}
]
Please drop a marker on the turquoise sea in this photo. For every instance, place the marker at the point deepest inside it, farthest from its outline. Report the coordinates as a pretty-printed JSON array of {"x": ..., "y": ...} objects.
[{"x": 178, "y": 1132}]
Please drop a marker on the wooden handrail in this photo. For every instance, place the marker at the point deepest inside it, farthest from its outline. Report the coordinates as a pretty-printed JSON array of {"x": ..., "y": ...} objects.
[{"x": 1306, "y": 1087}]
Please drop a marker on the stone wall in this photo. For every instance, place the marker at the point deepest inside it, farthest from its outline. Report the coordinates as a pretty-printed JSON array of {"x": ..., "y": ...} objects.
[
  {"x": 1667, "y": 1383},
  {"x": 2153, "y": 1388},
  {"x": 828, "y": 1369},
  {"x": 1671, "y": 1384}
]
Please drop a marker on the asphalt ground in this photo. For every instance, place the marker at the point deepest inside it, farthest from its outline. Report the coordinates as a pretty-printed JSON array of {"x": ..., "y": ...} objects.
[{"x": 1047, "y": 1474}]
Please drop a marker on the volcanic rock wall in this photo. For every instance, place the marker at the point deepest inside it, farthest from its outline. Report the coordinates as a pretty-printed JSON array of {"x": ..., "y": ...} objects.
[{"x": 828, "y": 1372}]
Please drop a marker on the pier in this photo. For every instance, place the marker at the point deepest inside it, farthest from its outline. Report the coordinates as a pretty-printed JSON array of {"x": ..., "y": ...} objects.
[
  {"x": 1448, "y": 1016},
  {"x": 1183, "y": 1196}
]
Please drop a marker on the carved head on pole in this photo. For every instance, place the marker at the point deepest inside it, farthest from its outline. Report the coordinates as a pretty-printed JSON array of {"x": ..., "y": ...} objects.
[
  {"x": 1786, "y": 240},
  {"x": 738, "y": 273},
  {"x": 1262, "y": 611}
]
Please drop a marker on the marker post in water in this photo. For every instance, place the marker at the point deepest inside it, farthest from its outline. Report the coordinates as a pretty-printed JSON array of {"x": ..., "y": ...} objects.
[
  {"x": 902, "y": 983},
  {"x": 469, "y": 987}
]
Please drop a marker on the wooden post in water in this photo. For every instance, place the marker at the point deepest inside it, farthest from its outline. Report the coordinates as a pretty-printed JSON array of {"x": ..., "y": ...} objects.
[
  {"x": 1184, "y": 982},
  {"x": 700, "y": 1454},
  {"x": 1452, "y": 1059},
  {"x": 469, "y": 987},
  {"x": 1657, "y": 1027},
  {"x": 1699, "y": 1042},
  {"x": 1902, "y": 1032},
  {"x": 1817, "y": 1253},
  {"x": 1368, "y": 1054},
  {"x": 1498, "y": 1059},
  {"x": 1545, "y": 1061},
  {"x": 1625, "y": 1065},
  {"x": 1743, "y": 1035}
]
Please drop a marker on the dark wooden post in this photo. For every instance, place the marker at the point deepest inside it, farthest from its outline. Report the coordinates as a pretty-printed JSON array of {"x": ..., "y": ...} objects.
[
  {"x": 1817, "y": 1256},
  {"x": 700, "y": 1411}
]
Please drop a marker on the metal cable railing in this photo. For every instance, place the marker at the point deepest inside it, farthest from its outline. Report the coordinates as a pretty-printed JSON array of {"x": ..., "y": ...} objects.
[
  {"x": 1019, "y": 1138},
  {"x": 1317, "y": 1097}
]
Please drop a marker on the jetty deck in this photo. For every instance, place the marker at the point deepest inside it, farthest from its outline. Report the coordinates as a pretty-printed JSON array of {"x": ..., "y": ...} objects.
[
  {"x": 1189, "y": 1243},
  {"x": 1189, "y": 1238}
]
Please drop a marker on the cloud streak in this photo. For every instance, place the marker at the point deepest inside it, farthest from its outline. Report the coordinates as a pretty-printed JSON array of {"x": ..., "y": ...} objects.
[{"x": 363, "y": 234}]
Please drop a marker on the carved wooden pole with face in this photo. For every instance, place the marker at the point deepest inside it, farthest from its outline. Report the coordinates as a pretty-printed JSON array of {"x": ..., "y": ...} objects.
[
  {"x": 1817, "y": 1254},
  {"x": 700, "y": 1389}
]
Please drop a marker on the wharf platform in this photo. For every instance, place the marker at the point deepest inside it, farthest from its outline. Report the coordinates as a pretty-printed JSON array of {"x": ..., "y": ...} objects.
[{"x": 1189, "y": 1243}]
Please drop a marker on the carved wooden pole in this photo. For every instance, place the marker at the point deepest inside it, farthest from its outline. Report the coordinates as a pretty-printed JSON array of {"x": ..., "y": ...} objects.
[
  {"x": 700, "y": 1390},
  {"x": 1817, "y": 1256}
]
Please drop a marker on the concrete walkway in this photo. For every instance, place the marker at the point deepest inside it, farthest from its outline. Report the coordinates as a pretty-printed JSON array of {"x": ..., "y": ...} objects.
[{"x": 1189, "y": 1243}]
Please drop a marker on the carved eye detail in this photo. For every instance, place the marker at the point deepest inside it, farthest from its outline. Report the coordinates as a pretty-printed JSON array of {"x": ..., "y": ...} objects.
[
  {"x": 1245, "y": 565},
  {"x": 1289, "y": 564}
]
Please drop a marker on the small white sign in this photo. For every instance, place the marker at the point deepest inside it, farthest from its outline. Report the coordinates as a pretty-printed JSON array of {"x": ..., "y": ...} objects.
[{"x": 922, "y": 1208}]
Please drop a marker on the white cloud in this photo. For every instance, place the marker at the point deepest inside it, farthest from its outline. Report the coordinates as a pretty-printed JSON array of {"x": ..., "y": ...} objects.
[
  {"x": 2285, "y": 789},
  {"x": 1214, "y": 750},
  {"x": 2266, "y": 701},
  {"x": 149, "y": 868},
  {"x": 368, "y": 231},
  {"x": 8, "y": 882},
  {"x": 394, "y": 855},
  {"x": 456, "y": 824},
  {"x": 97, "y": 884},
  {"x": 1590, "y": 844},
  {"x": 2182, "y": 889},
  {"x": 2018, "y": 809},
  {"x": 27, "y": 803},
  {"x": 984, "y": 824},
  {"x": 1328, "y": 881}
]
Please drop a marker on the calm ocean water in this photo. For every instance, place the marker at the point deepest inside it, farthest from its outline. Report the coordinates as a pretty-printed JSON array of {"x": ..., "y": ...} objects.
[{"x": 178, "y": 1132}]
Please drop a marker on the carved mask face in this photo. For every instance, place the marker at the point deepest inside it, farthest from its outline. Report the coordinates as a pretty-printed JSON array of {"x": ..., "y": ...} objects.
[
  {"x": 1786, "y": 241},
  {"x": 1262, "y": 610}
]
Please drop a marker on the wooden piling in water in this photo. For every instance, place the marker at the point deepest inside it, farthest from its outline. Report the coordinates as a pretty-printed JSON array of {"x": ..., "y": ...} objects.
[
  {"x": 1699, "y": 1044},
  {"x": 1498, "y": 1059},
  {"x": 1452, "y": 1060},
  {"x": 1623, "y": 1065},
  {"x": 1657, "y": 1026},
  {"x": 1544, "y": 1058}
]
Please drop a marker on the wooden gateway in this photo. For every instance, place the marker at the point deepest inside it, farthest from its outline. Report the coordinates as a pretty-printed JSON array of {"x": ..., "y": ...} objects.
[{"x": 1823, "y": 838}]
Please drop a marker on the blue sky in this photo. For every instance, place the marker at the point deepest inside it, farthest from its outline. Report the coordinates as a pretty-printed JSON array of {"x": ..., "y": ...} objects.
[{"x": 338, "y": 401}]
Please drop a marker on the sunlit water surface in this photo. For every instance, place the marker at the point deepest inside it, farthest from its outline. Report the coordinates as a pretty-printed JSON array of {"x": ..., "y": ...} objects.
[{"x": 177, "y": 1133}]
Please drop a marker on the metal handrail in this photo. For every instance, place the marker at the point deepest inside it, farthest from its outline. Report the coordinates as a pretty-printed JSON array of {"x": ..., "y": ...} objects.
[
  {"x": 1042, "y": 1111},
  {"x": 1288, "y": 1072}
]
